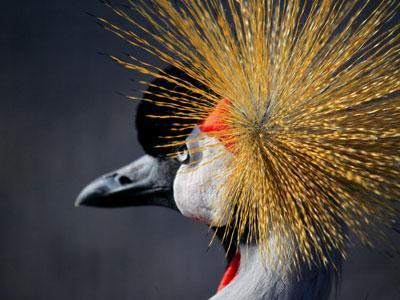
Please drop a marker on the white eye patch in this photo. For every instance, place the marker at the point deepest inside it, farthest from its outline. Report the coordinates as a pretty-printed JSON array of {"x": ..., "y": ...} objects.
[{"x": 198, "y": 184}]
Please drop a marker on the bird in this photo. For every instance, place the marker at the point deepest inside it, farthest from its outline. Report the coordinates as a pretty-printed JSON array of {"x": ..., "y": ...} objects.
[
  {"x": 159, "y": 180},
  {"x": 278, "y": 127}
]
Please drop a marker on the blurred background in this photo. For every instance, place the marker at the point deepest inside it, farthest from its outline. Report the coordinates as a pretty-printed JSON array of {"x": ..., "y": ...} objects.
[{"x": 62, "y": 124}]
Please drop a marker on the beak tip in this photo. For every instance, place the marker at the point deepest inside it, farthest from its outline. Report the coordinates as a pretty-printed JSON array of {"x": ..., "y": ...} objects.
[
  {"x": 77, "y": 202},
  {"x": 89, "y": 196},
  {"x": 80, "y": 200}
]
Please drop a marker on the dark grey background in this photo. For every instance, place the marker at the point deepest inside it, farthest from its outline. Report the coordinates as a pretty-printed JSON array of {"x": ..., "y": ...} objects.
[{"x": 61, "y": 125}]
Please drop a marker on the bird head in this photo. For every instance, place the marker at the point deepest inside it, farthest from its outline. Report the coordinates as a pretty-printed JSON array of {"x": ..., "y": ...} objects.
[
  {"x": 283, "y": 121},
  {"x": 188, "y": 182}
]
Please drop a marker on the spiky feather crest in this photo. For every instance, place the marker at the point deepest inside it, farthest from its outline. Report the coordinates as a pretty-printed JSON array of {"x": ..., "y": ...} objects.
[{"x": 314, "y": 110}]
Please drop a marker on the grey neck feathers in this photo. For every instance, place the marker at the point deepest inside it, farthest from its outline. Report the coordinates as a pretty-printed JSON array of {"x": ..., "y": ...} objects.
[{"x": 256, "y": 281}]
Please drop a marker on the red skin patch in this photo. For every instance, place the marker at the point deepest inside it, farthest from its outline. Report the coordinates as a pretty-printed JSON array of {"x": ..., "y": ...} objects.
[
  {"x": 230, "y": 272},
  {"x": 215, "y": 122}
]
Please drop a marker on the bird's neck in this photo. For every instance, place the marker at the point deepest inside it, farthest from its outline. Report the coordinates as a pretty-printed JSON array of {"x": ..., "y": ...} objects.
[{"x": 257, "y": 280}]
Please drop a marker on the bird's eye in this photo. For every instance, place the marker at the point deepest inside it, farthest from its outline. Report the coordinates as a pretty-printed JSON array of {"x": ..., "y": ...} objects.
[{"x": 183, "y": 155}]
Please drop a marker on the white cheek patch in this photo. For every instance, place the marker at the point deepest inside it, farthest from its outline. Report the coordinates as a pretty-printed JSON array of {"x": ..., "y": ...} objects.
[{"x": 197, "y": 187}]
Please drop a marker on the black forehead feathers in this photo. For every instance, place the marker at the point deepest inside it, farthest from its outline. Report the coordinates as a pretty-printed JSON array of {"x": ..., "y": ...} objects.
[{"x": 151, "y": 130}]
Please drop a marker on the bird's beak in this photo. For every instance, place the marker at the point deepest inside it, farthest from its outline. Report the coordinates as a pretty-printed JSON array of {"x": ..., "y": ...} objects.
[{"x": 146, "y": 181}]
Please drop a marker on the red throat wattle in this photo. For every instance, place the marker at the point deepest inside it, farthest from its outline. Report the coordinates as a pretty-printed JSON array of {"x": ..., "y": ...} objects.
[{"x": 230, "y": 272}]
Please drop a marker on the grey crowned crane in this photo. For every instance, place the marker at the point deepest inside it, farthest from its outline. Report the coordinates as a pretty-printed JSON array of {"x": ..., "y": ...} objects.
[
  {"x": 279, "y": 124},
  {"x": 155, "y": 179}
]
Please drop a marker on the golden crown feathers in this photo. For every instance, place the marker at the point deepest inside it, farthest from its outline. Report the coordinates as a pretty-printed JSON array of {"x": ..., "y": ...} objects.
[{"x": 313, "y": 109}]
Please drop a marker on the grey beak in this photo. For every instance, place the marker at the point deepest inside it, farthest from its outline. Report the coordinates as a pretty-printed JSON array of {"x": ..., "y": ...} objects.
[{"x": 146, "y": 181}]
